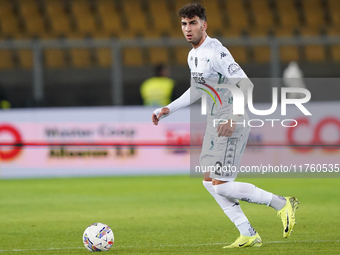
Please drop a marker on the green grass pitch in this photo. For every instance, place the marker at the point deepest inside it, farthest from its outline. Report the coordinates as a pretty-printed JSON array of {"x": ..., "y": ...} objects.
[{"x": 160, "y": 215}]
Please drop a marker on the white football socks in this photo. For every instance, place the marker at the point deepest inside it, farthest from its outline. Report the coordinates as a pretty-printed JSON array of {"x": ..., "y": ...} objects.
[
  {"x": 245, "y": 192},
  {"x": 278, "y": 202},
  {"x": 232, "y": 209},
  {"x": 246, "y": 229},
  {"x": 227, "y": 195}
]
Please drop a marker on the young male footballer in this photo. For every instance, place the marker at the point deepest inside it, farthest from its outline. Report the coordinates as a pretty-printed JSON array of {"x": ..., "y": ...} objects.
[{"x": 223, "y": 145}]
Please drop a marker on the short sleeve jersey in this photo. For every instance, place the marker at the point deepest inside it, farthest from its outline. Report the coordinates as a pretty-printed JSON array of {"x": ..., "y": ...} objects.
[{"x": 212, "y": 64}]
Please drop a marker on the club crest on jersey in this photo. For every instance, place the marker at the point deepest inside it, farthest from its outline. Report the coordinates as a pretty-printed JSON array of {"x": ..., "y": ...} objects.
[{"x": 233, "y": 68}]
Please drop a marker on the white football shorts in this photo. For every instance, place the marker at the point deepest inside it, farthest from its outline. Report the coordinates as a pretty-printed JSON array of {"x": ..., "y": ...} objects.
[{"x": 222, "y": 155}]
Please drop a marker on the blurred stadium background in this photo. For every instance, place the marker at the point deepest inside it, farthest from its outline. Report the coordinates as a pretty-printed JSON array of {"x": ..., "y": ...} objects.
[
  {"x": 97, "y": 52},
  {"x": 59, "y": 58}
]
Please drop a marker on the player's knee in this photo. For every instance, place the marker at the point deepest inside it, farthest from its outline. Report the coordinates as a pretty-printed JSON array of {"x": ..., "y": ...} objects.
[
  {"x": 206, "y": 177},
  {"x": 225, "y": 189}
]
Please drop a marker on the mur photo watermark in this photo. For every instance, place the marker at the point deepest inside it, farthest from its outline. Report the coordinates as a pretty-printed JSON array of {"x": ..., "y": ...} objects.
[
  {"x": 238, "y": 104},
  {"x": 269, "y": 168},
  {"x": 258, "y": 122},
  {"x": 290, "y": 131}
]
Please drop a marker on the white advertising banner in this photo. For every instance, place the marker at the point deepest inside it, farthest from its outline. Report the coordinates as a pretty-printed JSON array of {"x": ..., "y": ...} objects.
[
  {"x": 90, "y": 141},
  {"x": 123, "y": 141}
]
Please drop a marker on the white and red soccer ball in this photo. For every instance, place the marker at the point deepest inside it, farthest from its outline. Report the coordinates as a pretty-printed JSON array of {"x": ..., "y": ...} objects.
[{"x": 98, "y": 237}]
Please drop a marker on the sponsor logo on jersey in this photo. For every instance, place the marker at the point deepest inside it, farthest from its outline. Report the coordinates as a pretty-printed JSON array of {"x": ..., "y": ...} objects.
[
  {"x": 223, "y": 54},
  {"x": 198, "y": 77}
]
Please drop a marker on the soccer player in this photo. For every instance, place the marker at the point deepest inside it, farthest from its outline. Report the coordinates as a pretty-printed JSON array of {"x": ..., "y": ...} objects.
[{"x": 223, "y": 145}]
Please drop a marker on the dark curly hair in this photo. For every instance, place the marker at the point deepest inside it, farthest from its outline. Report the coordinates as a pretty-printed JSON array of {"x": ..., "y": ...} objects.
[{"x": 191, "y": 10}]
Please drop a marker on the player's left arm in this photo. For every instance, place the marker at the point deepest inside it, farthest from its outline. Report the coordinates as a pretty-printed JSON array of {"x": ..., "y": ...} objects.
[{"x": 224, "y": 63}]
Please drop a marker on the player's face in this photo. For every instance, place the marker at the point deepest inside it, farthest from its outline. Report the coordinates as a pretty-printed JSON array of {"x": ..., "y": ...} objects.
[{"x": 194, "y": 30}]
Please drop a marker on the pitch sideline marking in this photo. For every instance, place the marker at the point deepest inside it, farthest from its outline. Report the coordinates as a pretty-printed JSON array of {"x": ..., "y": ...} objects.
[{"x": 169, "y": 245}]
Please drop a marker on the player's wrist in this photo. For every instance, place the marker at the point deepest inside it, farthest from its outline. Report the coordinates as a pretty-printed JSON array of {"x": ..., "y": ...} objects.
[{"x": 236, "y": 118}]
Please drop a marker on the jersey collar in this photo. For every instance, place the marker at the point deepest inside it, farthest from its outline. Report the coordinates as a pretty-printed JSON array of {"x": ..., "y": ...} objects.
[{"x": 206, "y": 40}]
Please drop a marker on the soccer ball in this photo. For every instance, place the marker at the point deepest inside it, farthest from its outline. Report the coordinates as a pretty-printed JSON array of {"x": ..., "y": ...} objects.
[{"x": 98, "y": 237}]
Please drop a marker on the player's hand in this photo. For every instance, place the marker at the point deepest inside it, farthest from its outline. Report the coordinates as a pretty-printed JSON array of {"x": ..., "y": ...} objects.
[
  {"x": 163, "y": 111},
  {"x": 226, "y": 129}
]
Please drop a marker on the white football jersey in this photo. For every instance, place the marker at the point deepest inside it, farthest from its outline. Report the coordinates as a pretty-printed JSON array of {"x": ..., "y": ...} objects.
[{"x": 212, "y": 64}]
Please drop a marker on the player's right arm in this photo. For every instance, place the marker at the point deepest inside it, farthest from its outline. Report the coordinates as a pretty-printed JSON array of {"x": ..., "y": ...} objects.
[{"x": 190, "y": 96}]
